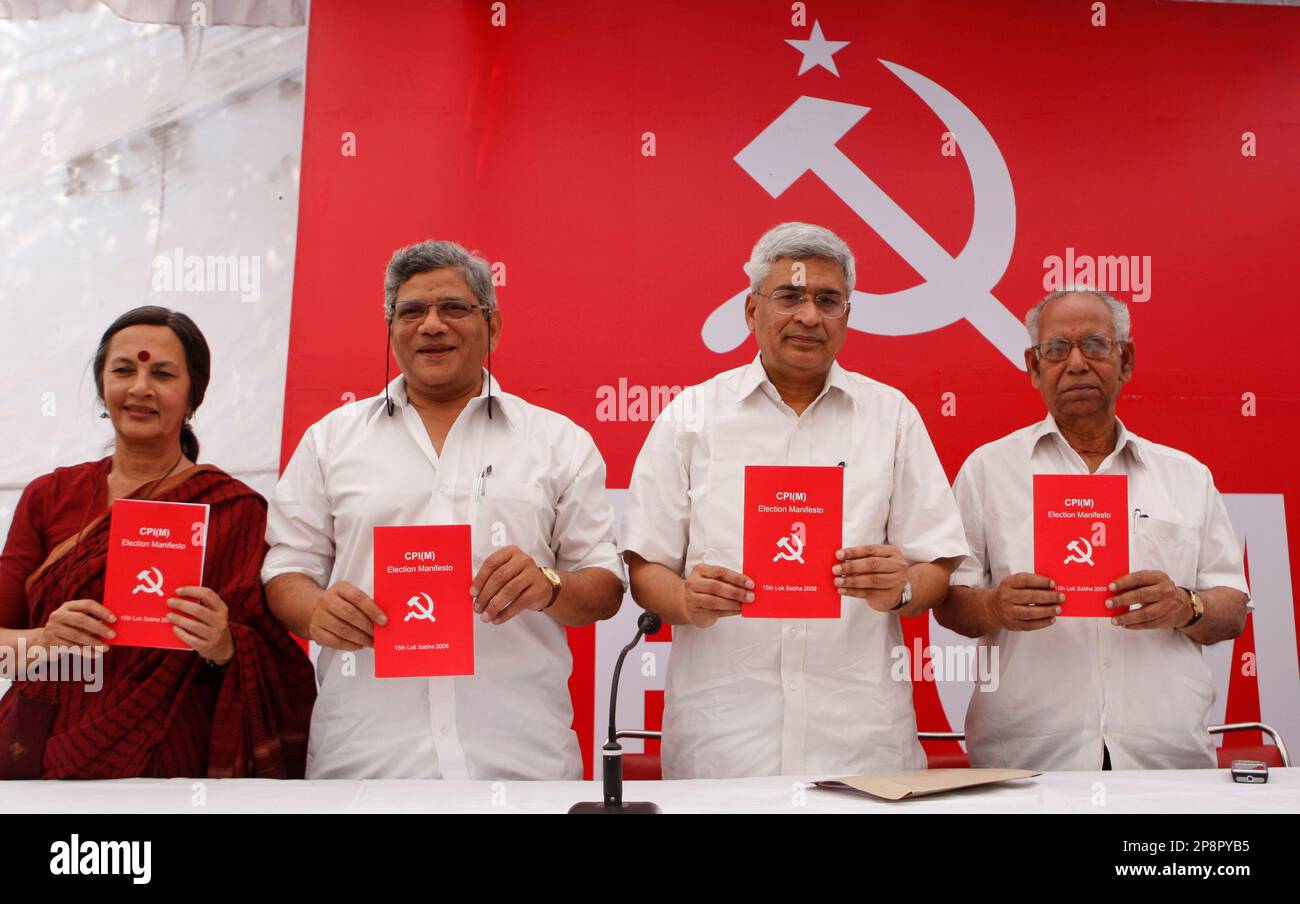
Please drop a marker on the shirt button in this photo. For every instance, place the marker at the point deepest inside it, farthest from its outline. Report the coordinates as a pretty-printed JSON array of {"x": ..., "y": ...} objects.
[
  {"x": 1106, "y": 661},
  {"x": 794, "y": 632},
  {"x": 443, "y": 731},
  {"x": 793, "y": 686},
  {"x": 445, "y": 490}
]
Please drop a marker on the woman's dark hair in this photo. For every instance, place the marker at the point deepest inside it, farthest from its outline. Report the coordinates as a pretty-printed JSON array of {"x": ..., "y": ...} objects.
[{"x": 198, "y": 360}]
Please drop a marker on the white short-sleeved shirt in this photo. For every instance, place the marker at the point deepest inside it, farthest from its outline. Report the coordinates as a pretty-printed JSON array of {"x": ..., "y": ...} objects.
[
  {"x": 357, "y": 468},
  {"x": 1064, "y": 690},
  {"x": 751, "y": 697}
]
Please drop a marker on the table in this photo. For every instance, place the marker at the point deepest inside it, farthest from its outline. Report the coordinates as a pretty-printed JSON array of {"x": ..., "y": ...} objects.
[{"x": 1164, "y": 791}]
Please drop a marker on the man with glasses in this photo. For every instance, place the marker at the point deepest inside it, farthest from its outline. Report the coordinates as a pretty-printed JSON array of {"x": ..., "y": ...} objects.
[
  {"x": 1131, "y": 691},
  {"x": 444, "y": 445},
  {"x": 751, "y": 697}
]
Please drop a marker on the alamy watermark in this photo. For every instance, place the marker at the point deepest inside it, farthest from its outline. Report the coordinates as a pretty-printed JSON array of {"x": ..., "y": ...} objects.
[
  {"x": 976, "y": 663},
  {"x": 181, "y": 272},
  {"x": 76, "y": 857},
  {"x": 54, "y": 663},
  {"x": 630, "y": 402},
  {"x": 1113, "y": 273}
]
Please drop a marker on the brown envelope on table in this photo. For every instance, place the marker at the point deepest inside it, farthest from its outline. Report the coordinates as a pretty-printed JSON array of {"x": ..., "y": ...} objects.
[{"x": 920, "y": 782}]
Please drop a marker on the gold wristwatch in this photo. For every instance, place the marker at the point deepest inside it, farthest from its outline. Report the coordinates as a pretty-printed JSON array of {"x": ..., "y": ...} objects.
[
  {"x": 1198, "y": 608},
  {"x": 553, "y": 578}
]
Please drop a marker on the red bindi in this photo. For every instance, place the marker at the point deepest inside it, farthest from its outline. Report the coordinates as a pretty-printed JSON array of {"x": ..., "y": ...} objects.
[{"x": 143, "y": 355}]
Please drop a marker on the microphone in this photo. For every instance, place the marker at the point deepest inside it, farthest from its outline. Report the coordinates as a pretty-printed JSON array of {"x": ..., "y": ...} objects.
[{"x": 648, "y": 623}]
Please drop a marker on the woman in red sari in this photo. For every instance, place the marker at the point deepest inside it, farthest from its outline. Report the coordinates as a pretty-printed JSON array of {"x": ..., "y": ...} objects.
[{"x": 238, "y": 702}]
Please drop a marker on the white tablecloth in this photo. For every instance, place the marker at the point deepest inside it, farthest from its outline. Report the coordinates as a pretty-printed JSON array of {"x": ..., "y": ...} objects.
[{"x": 1191, "y": 791}]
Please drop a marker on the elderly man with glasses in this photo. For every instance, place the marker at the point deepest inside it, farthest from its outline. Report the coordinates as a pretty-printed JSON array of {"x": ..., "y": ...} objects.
[
  {"x": 1131, "y": 691},
  {"x": 443, "y": 445},
  {"x": 753, "y": 697}
]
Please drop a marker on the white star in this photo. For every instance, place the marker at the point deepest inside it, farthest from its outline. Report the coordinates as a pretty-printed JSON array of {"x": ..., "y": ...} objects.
[{"x": 817, "y": 51}]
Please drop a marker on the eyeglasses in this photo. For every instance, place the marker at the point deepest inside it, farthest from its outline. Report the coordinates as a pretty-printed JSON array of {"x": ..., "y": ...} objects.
[
  {"x": 449, "y": 309},
  {"x": 789, "y": 301},
  {"x": 1095, "y": 348}
]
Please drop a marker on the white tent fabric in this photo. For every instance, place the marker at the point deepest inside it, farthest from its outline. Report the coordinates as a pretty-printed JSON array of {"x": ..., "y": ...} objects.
[
  {"x": 284, "y": 13},
  {"x": 124, "y": 145}
]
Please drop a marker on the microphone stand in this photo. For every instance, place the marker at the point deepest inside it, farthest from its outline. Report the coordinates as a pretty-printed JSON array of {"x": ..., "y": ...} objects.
[{"x": 612, "y": 752}]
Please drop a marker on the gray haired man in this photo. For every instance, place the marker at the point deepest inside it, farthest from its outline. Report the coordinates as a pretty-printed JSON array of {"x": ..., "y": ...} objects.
[
  {"x": 1132, "y": 691},
  {"x": 443, "y": 444},
  {"x": 751, "y": 697}
]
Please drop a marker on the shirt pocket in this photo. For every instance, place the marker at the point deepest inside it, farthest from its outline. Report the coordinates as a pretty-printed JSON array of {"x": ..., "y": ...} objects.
[
  {"x": 867, "y": 493},
  {"x": 1008, "y": 531},
  {"x": 511, "y": 513},
  {"x": 1167, "y": 546},
  {"x": 721, "y": 519}
]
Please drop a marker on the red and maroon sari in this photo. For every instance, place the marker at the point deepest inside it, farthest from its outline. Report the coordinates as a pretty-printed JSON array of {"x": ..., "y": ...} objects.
[{"x": 167, "y": 713}]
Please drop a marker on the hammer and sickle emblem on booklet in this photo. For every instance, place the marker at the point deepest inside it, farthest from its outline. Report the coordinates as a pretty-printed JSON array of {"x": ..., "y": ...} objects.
[
  {"x": 1081, "y": 551},
  {"x": 420, "y": 611},
  {"x": 151, "y": 581},
  {"x": 791, "y": 547}
]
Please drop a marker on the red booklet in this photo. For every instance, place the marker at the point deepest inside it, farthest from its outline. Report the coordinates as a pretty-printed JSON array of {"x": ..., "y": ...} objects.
[
  {"x": 1081, "y": 537},
  {"x": 794, "y": 522},
  {"x": 422, "y": 580},
  {"x": 153, "y": 548}
]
